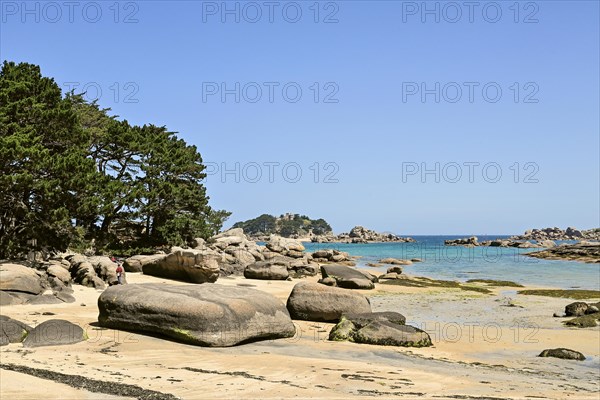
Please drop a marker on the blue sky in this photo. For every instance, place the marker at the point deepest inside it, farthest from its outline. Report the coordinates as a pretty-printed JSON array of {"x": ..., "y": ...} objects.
[{"x": 362, "y": 140}]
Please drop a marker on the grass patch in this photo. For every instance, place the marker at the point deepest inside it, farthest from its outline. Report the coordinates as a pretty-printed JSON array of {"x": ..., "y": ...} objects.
[
  {"x": 585, "y": 321},
  {"x": 492, "y": 282},
  {"x": 421, "y": 282},
  {"x": 569, "y": 293}
]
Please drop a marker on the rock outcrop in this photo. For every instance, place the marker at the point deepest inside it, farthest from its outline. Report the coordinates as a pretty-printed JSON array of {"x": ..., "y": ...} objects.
[
  {"x": 187, "y": 265},
  {"x": 206, "y": 315},
  {"x": 566, "y": 354},
  {"x": 346, "y": 277},
  {"x": 20, "y": 284},
  {"x": 12, "y": 331},
  {"x": 315, "y": 302},
  {"x": 558, "y": 234},
  {"x": 467, "y": 242},
  {"x": 382, "y": 328},
  {"x": 395, "y": 261},
  {"x": 267, "y": 270},
  {"x": 19, "y": 278},
  {"x": 588, "y": 252},
  {"x": 332, "y": 256},
  {"x": 473, "y": 242},
  {"x": 54, "y": 332},
  {"x": 136, "y": 263},
  {"x": 359, "y": 234}
]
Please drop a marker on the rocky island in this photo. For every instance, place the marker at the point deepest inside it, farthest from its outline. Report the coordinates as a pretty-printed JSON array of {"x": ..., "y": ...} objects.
[{"x": 359, "y": 234}]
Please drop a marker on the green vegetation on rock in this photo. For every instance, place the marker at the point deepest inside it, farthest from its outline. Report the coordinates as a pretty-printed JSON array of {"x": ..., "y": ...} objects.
[
  {"x": 585, "y": 321},
  {"x": 492, "y": 282},
  {"x": 563, "y": 293},
  {"x": 422, "y": 282}
]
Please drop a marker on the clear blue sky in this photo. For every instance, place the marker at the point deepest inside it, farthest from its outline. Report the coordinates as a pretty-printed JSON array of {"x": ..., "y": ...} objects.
[{"x": 373, "y": 61}]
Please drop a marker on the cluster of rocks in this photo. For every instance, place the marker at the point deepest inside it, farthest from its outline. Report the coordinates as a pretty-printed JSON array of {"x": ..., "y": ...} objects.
[
  {"x": 392, "y": 273},
  {"x": 53, "y": 332},
  {"x": 586, "y": 315},
  {"x": 220, "y": 316},
  {"x": 580, "y": 308},
  {"x": 354, "y": 318},
  {"x": 332, "y": 256},
  {"x": 232, "y": 253},
  {"x": 50, "y": 282},
  {"x": 551, "y": 234},
  {"x": 359, "y": 234},
  {"x": 584, "y": 251},
  {"x": 473, "y": 241},
  {"x": 381, "y": 328}
]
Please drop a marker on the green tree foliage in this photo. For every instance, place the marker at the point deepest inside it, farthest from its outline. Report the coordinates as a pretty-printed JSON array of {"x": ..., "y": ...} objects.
[
  {"x": 69, "y": 170},
  {"x": 43, "y": 161},
  {"x": 285, "y": 225}
]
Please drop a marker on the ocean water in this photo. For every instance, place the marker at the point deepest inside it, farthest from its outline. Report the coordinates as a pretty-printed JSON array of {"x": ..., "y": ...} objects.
[{"x": 462, "y": 263}]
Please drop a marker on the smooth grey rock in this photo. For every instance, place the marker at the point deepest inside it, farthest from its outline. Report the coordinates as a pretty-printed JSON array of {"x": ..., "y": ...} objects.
[
  {"x": 266, "y": 270},
  {"x": 186, "y": 265},
  {"x": 382, "y": 328},
  {"x": 566, "y": 354},
  {"x": 12, "y": 331},
  {"x": 315, "y": 302},
  {"x": 19, "y": 278},
  {"x": 54, "y": 332},
  {"x": 207, "y": 315},
  {"x": 346, "y": 277}
]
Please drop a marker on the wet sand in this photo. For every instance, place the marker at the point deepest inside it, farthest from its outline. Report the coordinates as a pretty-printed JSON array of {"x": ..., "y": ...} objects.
[{"x": 483, "y": 348}]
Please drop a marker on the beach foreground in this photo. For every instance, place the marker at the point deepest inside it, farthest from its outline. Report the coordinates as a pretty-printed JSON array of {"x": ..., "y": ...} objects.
[{"x": 485, "y": 346}]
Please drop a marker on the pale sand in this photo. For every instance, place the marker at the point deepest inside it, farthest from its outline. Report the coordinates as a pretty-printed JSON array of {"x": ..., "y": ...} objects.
[{"x": 495, "y": 360}]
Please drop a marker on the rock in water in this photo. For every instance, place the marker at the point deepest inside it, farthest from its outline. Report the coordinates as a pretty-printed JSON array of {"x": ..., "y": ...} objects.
[
  {"x": 185, "y": 265},
  {"x": 346, "y": 277},
  {"x": 206, "y": 315},
  {"x": 54, "y": 332},
  {"x": 566, "y": 354},
  {"x": 316, "y": 302},
  {"x": 19, "y": 278},
  {"x": 382, "y": 328},
  {"x": 12, "y": 331},
  {"x": 266, "y": 270}
]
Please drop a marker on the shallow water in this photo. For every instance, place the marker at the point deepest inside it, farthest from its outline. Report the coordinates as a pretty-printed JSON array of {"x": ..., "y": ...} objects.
[{"x": 462, "y": 263}]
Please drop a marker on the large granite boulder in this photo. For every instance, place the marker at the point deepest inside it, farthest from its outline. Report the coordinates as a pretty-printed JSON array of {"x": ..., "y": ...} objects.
[
  {"x": 12, "y": 331},
  {"x": 54, "y": 332},
  {"x": 383, "y": 328},
  {"x": 187, "y": 265},
  {"x": 566, "y": 354},
  {"x": 576, "y": 309},
  {"x": 346, "y": 277},
  {"x": 315, "y": 302},
  {"x": 206, "y": 315},
  {"x": 136, "y": 263},
  {"x": 285, "y": 246},
  {"x": 106, "y": 269},
  {"x": 83, "y": 272},
  {"x": 19, "y": 278},
  {"x": 266, "y": 270},
  {"x": 61, "y": 274}
]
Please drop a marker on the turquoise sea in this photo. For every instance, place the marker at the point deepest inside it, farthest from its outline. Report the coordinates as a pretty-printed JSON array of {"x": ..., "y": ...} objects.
[{"x": 462, "y": 263}]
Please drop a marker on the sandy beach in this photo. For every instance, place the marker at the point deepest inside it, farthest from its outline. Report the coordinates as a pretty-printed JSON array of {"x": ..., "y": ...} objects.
[{"x": 485, "y": 346}]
